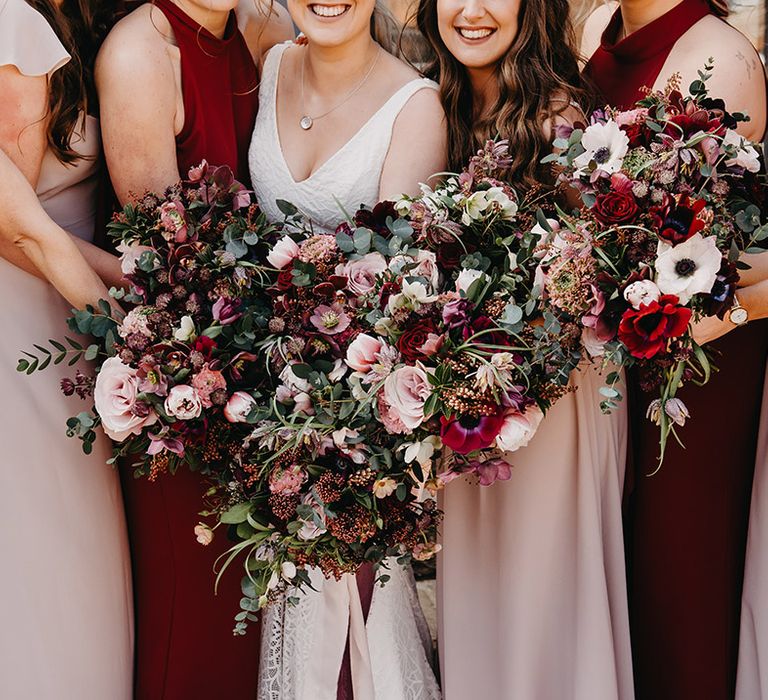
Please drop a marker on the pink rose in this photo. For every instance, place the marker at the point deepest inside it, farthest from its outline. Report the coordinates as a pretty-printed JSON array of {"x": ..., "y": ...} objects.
[
  {"x": 205, "y": 382},
  {"x": 183, "y": 402},
  {"x": 406, "y": 391},
  {"x": 518, "y": 429},
  {"x": 361, "y": 274},
  {"x": 283, "y": 253},
  {"x": 115, "y": 398},
  {"x": 361, "y": 353},
  {"x": 238, "y": 407},
  {"x": 389, "y": 417}
]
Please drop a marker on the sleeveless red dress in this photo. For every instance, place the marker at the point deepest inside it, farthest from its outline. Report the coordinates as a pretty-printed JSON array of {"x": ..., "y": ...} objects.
[
  {"x": 686, "y": 527},
  {"x": 185, "y": 649}
]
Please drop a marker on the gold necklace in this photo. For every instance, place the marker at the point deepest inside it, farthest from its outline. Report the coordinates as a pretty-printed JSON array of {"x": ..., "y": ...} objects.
[{"x": 306, "y": 122}]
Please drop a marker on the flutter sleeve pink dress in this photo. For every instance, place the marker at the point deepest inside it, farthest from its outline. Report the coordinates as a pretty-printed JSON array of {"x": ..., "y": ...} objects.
[{"x": 66, "y": 622}]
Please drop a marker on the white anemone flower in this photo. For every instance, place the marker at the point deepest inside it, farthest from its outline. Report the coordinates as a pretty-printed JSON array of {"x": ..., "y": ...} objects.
[
  {"x": 606, "y": 145},
  {"x": 688, "y": 268}
]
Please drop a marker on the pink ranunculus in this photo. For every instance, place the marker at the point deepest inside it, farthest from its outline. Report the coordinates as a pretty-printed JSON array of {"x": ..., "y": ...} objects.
[
  {"x": 206, "y": 381},
  {"x": 130, "y": 254},
  {"x": 238, "y": 407},
  {"x": 283, "y": 253},
  {"x": 183, "y": 402},
  {"x": 432, "y": 345},
  {"x": 406, "y": 391},
  {"x": 389, "y": 417},
  {"x": 361, "y": 353},
  {"x": 173, "y": 220},
  {"x": 518, "y": 429},
  {"x": 361, "y": 274},
  {"x": 115, "y": 398}
]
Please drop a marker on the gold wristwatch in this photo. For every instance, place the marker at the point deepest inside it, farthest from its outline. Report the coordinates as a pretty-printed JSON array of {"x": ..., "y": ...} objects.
[{"x": 738, "y": 315}]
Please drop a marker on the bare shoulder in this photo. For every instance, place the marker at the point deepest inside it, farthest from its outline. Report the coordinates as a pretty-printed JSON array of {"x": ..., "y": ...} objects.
[
  {"x": 594, "y": 26},
  {"x": 137, "y": 46},
  {"x": 738, "y": 76},
  {"x": 423, "y": 106},
  {"x": 398, "y": 71},
  {"x": 263, "y": 24}
]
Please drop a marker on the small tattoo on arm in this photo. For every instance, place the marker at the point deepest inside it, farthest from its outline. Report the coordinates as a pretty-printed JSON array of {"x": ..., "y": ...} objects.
[{"x": 749, "y": 64}]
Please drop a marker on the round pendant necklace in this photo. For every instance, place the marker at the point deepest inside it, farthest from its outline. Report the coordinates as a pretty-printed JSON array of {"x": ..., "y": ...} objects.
[{"x": 306, "y": 122}]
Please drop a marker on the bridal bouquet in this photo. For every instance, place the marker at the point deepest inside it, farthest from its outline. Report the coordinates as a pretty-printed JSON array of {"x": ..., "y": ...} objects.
[
  {"x": 318, "y": 481},
  {"x": 178, "y": 371},
  {"x": 673, "y": 197}
]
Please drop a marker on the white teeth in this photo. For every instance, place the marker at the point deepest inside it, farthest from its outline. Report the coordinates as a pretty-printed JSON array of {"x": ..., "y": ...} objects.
[
  {"x": 329, "y": 10},
  {"x": 475, "y": 33}
]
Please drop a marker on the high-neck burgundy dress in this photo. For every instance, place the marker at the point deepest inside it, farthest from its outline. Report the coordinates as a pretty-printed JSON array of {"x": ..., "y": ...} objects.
[
  {"x": 686, "y": 527},
  {"x": 185, "y": 649}
]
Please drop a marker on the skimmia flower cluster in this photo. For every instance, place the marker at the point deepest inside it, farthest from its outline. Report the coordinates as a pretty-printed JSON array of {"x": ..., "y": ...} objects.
[
  {"x": 178, "y": 371},
  {"x": 673, "y": 197}
]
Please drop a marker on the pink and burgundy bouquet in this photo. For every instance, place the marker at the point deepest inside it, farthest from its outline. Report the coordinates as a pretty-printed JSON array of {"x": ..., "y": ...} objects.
[
  {"x": 673, "y": 196},
  {"x": 319, "y": 481},
  {"x": 177, "y": 373}
]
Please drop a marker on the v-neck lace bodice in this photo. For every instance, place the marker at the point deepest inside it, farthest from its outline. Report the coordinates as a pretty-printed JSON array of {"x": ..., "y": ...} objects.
[{"x": 349, "y": 178}]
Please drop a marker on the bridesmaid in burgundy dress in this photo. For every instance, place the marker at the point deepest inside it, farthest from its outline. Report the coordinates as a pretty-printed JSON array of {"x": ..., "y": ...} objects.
[
  {"x": 686, "y": 526},
  {"x": 178, "y": 86}
]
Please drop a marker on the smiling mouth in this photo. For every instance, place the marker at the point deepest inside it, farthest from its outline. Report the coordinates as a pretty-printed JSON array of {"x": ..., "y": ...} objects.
[
  {"x": 474, "y": 33},
  {"x": 329, "y": 10}
]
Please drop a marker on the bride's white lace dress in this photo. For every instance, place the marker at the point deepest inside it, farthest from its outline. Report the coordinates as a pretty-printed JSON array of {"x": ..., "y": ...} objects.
[{"x": 303, "y": 644}]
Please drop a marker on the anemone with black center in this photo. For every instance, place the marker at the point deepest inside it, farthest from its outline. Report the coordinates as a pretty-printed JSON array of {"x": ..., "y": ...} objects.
[{"x": 685, "y": 267}]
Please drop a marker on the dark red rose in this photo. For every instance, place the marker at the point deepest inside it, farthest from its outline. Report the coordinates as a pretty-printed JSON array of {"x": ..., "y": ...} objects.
[
  {"x": 468, "y": 433},
  {"x": 490, "y": 333},
  {"x": 413, "y": 339},
  {"x": 683, "y": 219},
  {"x": 637, "y": 133},
  {"x": 645, "y": 331},
  {"x": 615, "y": 208},
  {"x": 449, "y": 254},
  {"x": 284, "y": 279}
]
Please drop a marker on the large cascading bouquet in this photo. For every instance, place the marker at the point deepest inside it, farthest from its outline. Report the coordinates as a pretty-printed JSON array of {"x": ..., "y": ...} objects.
[
  {"x": 409, "y": 329},
  {"x": 178, "y": 371},
  {"x": 673, "y": 196}
]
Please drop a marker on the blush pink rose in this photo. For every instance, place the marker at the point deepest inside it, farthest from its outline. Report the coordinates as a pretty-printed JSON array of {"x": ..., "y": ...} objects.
[
  {"x": 389, "y": 417},
  {"x": 361, "y": 353},
  {"x": 205, "y": 382},
  {"x": 283, "y": 253},
  {"x": 238, "y": 407},
  {"x": 361, "y": 274},
  {"x": 183, "y": 402},
  {"x": 518, "y": 429},
  {"x": 406, "y": 391},
  {"x": 114, "y": 395}
]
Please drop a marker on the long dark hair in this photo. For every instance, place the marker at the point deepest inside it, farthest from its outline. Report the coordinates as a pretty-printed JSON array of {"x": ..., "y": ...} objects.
[
  {"x": 720, "y": 8},
  {"x": 81, "y": 26},
  {"x": 537, "y": 79}
]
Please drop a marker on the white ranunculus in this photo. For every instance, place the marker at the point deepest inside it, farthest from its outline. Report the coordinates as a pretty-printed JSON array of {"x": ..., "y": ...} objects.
[
  {"x": 283, "y": 253},
  {"x": 642, "y": 292},
  {"x": 605, "y": 145},
  {"x": 747, "y": 156},
  {"x": 688, "y": 268},
  {"x": 466, "y": 278},
  {"x": 183, "y": 402}
]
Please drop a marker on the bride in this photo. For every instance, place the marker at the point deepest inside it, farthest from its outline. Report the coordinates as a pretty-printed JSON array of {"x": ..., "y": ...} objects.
[{"x": 341, "y": 123}]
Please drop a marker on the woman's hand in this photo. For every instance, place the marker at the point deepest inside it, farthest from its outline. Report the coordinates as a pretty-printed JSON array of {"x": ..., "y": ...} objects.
[{"x": 753, "y": 298}]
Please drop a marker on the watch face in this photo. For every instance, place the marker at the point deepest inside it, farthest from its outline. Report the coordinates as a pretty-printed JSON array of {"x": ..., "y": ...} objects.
[{"x": 739, "y": 316}]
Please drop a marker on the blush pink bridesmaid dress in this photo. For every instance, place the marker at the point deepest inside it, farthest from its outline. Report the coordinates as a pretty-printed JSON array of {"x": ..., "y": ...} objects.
[
  {"x": 66, "y": 621},
  {"x": 532, "y": 601}
]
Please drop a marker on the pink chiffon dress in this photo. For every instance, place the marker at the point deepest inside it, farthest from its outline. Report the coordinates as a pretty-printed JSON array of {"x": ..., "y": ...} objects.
[{"x": 66, "y": 620}]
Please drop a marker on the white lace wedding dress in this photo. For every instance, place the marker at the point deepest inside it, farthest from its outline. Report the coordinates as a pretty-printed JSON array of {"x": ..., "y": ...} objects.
[{"x": 303, "y": 644}]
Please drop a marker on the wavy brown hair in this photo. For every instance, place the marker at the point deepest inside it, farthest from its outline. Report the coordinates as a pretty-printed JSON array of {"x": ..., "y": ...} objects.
[
  {"x": 720, "y": 8},
  {"x": 81, "y": 26},
  {"x": 537, "y": 79}
]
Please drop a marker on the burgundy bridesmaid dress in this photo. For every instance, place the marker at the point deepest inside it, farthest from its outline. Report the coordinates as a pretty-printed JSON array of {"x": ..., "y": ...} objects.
[
  {"x": 686, "y": 526},
  {"x": 185, "y": 648}
]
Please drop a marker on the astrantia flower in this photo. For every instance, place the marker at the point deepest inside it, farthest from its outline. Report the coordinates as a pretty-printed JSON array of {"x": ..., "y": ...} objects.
[
  {"x": 605, "y": 145},
  {"x": 689, "y": 268},
  {"x": 330, "y": 319},
  {"x": 645, "y": 331},
  {"x": 469, "y": 433}
]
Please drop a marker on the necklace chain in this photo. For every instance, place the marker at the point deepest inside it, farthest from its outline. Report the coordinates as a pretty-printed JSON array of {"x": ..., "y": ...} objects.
[{"x": 306, "y": 122}]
